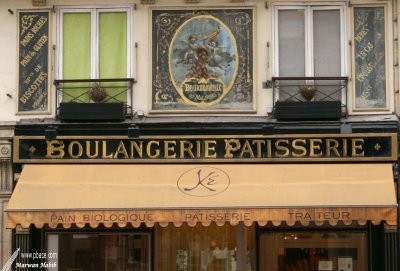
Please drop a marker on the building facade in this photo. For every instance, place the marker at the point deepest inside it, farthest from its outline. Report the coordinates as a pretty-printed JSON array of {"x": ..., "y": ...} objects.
[{"x": 199, "y": 135}]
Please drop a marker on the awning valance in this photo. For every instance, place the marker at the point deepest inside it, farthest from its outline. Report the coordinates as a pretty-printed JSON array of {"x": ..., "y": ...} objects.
[{"x": 134, "y": 194}]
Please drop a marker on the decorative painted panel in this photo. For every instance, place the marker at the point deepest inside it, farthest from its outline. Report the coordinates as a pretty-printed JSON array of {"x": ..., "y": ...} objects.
[
  {"x": 202, "y": 60},
  {"x": 370, "y": 63}
]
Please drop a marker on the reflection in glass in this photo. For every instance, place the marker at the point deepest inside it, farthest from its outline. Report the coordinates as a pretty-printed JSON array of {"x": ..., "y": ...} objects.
[
  {"x": 212, "y": 248},
  {"x": 101, "y": 252},
  {"x": 313, "y": 251}
]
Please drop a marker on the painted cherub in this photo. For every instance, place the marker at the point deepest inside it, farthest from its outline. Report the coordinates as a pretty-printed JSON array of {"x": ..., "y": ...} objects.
[{"x": 189, "y": 51}]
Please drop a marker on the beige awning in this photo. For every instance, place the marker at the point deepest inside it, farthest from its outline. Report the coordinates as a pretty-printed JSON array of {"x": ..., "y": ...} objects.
[{"x": 134, "y": 194}]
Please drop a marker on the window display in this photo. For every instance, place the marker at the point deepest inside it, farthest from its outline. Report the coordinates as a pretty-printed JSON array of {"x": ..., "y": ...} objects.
[
  {"x": 313, "y": 251},
  {"x": 212, "y": 248},
  {"x": 101, "y": 251}
]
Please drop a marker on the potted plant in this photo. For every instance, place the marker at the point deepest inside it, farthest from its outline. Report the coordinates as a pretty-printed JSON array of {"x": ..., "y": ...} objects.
[
  {"x": 97, "y": 110},
  {"x": 97, "y": 93},
  {"x": 307, "y": 92},
  {"x": 309, "y": 109}
]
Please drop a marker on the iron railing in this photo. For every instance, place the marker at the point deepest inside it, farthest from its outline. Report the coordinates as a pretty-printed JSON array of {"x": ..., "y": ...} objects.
[
  {"x": 289, "y": 89},
  {"x": 118, "y": 90}
]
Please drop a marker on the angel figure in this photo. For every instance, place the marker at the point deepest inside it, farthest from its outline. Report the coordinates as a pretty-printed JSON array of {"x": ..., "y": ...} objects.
[{"x": 188, "y": 52}]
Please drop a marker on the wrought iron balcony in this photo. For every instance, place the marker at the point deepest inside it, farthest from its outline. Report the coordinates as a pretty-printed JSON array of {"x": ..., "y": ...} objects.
[
  {"x": 94, "y": 99},
  {"x": 310, "y": 97}
]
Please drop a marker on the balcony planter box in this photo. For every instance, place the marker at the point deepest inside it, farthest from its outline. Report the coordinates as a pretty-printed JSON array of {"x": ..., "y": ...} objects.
[
  {"x": 92, "y": 111},
  {"x": 317, "y": 110}
]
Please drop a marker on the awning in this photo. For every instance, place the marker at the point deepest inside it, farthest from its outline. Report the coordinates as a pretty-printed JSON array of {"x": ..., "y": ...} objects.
[{"x": 134, "y": 194}]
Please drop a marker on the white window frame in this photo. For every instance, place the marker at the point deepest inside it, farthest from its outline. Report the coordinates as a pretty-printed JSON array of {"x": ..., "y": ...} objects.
[
  {"x": 94, "y": 37},
  {"x": 94, "y": 58},
  {"x": 308, "y": 35}
]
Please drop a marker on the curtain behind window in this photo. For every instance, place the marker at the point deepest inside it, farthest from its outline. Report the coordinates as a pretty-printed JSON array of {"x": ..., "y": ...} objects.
[
  {"x": 327, "y": 53},
  {"x": 113, "y": 51},
  {"x": 111, "y": 61},
  {"x": 291, "y": 43},
  {"x": 76, "y": 52}
]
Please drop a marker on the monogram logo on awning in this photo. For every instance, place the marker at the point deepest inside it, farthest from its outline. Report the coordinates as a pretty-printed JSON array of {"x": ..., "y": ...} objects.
[{"x": 203, "y": 182}]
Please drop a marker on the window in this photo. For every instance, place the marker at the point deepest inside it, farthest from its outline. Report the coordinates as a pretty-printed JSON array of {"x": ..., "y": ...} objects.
[
  {"x": 309, "y": 41},
  {"x": 99, "y": 251},
  {"x": 212, "y": 248},
  {"x": 319, "y": 250},
  {"x": 94, "y": 43}
]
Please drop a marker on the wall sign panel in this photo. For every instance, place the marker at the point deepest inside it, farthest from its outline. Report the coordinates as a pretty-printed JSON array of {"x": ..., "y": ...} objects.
[
  {"x": 33, "y": 61},
  {"x": 370, "y": 64},
  {"x": 202, "y": 60}
]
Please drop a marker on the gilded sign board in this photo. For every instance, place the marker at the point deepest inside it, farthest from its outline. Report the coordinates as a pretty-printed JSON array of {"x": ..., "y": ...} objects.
[
  {"x": 33, "y": 37},
  {"x": 251, "y": 148}
]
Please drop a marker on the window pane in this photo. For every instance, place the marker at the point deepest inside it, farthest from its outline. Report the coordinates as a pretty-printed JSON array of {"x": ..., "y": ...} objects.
[
  {"x": 76, "y": 52},
  {"x": 103, "y": 252},
  {"x": 313, "y": 251},
  {"x": 212, "y": 248},
  {"x": 291, "y": 43},
  {"x": 327, "y": 53},
  {"x": 113, "y": 51}
]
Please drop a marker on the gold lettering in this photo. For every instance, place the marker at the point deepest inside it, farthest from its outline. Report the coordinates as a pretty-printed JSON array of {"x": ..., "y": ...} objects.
[
  {"x": 169, "y": 146},
  {"x": 333, "y": 148},
  {"x": 96, "y": 149},
  {"x": 296, "y": 146},
  {"x": 28, "y": 37},
  {"x": 198, "y": 148},
  {"x": 258, "y": 144},
  {"x": 34, "y": 86},
  {"x": 186, "y": 147},
  {"x": 71, "y": 149},
  {"x": 231, "y": 145},
  {"x": 246, "y": 149},
  {"x": 39, "y": 24},
  {"x": 315, "y": 146},
  {"x": 269, "y": 148},
  {"x": 137, "y": 148},
  {"x": 39, "y": 44},
  {"x": 55, "y": 146},
  {"x": 121, "y": 150},
  {"x": 284, "y": 149},
  {"x": 360, "y": 35},
  {"x": 148, "y": 149},
  {"x": 357, "y": 144},
  {"x": 344, "y": 147},
  {"x": 208, "y": 148},
  {"x": 104, "y": 151}
]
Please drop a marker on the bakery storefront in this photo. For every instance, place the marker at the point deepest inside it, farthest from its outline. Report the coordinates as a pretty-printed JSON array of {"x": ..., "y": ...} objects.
[{"x": 250, "y": 202}]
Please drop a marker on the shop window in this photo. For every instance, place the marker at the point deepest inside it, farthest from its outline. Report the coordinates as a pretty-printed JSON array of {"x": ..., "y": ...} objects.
[
  {"x": 94, "y": 43},
  {"x": 317, "y": 251},
  {"x": 100, "y": 252},
  {"x": 309, "y": 41},
  {"x": 199, "y": 248}
]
